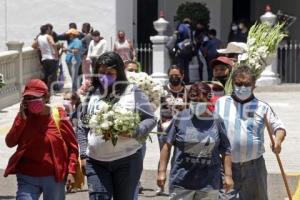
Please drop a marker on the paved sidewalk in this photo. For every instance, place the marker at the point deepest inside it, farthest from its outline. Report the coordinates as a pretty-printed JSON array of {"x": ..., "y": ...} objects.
[{"x": 283, "y": 100}]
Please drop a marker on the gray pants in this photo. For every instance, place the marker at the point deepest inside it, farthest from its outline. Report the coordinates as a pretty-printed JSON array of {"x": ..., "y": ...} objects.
[
  {"x": 250, "y": 181},
  {"x": 184, "y": 194}
]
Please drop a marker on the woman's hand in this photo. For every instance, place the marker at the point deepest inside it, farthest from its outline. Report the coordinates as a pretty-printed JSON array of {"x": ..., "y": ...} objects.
[
  {"x": 161, "y": 179},
  {"x": 22, "y": 110},
  {"x": 70, "y": 181},
  {"x": 228, "y": 183}
]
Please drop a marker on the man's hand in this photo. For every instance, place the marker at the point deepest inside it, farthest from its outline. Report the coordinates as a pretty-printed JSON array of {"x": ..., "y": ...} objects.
[
  {"x": 228, "y": 183},
  {"x": 161, "y": 179},
  {"x": 70, "y": 181},
  {"x": 277, "y": 146}
]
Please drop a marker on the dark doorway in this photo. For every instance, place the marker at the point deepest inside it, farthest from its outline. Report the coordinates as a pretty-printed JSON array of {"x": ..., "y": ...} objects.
[
  {"x": 146, "y": 14},
  {"x": 241, "y": 10}
]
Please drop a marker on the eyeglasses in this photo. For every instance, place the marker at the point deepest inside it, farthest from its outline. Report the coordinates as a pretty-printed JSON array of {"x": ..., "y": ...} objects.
[{"x": 246, "y": 84}]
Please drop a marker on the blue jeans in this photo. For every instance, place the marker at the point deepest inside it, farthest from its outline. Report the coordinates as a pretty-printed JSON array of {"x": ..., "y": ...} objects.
[
  {"x": 117, "y": 179},
  {"x": 74, "y": 73},
  {"x": 31, "y": 188},
  {"x": 250, "y": 181},
  {"x": 136, "y": 194}
]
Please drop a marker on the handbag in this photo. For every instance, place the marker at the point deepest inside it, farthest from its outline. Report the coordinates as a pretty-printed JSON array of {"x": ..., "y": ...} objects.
[{"x": 79, "y": 177}]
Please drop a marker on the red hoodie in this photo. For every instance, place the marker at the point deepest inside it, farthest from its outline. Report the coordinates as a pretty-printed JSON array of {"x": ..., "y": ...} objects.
[{"x": 42, "y": 150}]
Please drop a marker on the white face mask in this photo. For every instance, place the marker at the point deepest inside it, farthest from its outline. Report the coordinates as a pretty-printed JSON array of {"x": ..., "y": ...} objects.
[
  {"x": 234, "y": 28},
  {"x": 198, "y": 108},
  {"x": 242, "y": 92}
]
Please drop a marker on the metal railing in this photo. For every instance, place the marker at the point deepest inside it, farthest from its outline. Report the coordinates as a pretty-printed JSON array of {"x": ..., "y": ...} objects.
[
  {"x": 144, "y": 54},
  {"x": 288, "y": 62}
]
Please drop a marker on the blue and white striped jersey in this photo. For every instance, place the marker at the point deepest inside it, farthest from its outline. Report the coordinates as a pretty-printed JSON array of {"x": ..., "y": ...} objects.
[{"x": 245, "y": 124}]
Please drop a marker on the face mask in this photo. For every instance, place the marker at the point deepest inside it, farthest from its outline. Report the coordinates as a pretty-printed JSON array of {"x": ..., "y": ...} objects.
[
  {"x": 35, "y": 106},
  {"x": 106, "y": 80},
  {"x": 198, "y": 108},
  {"x": 222, "y": 79},
  {"x": 175, "y": 80},
  {"x": 234, "y": 28},
  {"x": 242, "y": 92}
]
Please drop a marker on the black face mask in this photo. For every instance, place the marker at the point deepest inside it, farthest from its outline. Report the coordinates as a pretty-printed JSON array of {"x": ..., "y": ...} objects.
[
  {"x": 175, "y": 80},
  {"x": 222, "y": 79}
]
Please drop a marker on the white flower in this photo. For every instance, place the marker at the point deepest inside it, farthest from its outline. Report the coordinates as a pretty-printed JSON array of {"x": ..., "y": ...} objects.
[{"x": 105, "y": 125}]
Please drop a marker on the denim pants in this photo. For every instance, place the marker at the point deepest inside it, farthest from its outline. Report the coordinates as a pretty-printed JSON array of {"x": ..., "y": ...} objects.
[
  {"x": 250, "y": 181},
  {"x": 31, "y": 188},
  {"x": 177, "y": 193},
  {"x": 117, "y": 179},
  {"x": 73, "y": 68}
]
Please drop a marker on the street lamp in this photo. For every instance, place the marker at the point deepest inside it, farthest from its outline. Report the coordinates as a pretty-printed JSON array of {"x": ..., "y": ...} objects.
[{"x": 5, "y": 20}]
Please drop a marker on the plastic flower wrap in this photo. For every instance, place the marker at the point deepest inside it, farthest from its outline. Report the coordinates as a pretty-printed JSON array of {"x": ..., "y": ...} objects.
[
  {"x": 114, "y": 121},
  {"x": 153, "y": 89},
  {"x": 2, "y": 83},
  {"x": 262, "y": 42},
  {"x": 82, "y": 91}
]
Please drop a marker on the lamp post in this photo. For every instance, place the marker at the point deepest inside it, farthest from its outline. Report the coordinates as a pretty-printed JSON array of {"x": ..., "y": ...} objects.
[
  {"x": 5, "y": 20},
  {"x": 269, "y": 76}
]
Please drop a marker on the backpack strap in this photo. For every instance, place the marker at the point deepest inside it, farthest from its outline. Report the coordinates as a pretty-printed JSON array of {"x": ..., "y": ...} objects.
[{"x": 56, "y": 117}]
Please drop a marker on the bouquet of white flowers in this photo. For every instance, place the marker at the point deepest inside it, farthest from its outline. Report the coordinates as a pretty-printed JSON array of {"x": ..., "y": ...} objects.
[
  {"x": 114, "y": 121},
  {"x": 2, "y": 83},
  {"x": 154, "y": 90},
  {"x": 262, "y": 43}
]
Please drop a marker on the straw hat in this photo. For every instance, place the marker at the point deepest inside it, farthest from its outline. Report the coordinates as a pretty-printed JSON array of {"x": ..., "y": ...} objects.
[{"x": 234, "y": 47}]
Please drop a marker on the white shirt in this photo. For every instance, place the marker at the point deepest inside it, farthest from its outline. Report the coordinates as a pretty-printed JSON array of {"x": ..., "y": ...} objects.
[
  {"x": 102, "y": 150},
  {"x": 97, "y": 49},
  {"x": 47, "y": 50}
]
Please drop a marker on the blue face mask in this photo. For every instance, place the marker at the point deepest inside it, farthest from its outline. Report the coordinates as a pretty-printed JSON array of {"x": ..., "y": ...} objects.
[
  {"x": 242, "y": 92},
  {"x": 198, "y": 108},
  {"x": 106, "y": 80}
]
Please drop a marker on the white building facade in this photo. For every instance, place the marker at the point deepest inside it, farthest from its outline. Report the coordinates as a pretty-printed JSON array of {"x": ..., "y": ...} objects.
[{"x": 21, "y": 19}]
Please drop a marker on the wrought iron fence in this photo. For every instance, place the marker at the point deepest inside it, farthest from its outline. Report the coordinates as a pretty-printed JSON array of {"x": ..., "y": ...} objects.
[
  {"x": 288, "y": 62},
  {"x": 144, "y": 54}
]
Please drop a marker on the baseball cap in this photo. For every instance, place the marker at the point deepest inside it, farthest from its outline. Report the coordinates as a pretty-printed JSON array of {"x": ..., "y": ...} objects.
[
  {"x": 223, "y": 60},
  {"x": 35, "y": 87},
  {"x": 234, "y": 47}
]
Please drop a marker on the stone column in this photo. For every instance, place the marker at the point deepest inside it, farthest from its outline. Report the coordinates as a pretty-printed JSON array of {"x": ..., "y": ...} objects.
[
  {"x": 17, "y": 46},
  {"x": 269, "y": 76},
  {"x": 161, "y": 60}
]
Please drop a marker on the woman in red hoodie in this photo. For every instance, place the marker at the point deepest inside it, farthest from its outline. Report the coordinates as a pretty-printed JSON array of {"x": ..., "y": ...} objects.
[{"x": 46, "y": 155}]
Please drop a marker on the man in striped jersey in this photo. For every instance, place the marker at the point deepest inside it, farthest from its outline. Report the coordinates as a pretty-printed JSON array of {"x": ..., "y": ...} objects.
[{"x": 245, "y": 118}]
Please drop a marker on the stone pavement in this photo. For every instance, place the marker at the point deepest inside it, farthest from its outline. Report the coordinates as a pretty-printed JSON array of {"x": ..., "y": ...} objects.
[{"x": 283, "y": 99}]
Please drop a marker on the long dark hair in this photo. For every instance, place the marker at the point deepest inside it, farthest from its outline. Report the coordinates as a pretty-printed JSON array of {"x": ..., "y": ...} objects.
[{"x": 113, "y": 60}]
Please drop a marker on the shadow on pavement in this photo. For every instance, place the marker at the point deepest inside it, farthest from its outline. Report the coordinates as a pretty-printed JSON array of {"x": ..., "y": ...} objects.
[{"x": 7, "y": 197}]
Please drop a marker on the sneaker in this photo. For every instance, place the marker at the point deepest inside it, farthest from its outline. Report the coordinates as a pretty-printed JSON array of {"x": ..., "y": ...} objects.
[
  {"x": 141, "y": 189},
  {"x": 160, "y": 191}
]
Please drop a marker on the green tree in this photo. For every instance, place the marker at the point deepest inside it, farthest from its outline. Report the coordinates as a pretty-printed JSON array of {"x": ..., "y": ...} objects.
[{"x": 196, "y": 11}]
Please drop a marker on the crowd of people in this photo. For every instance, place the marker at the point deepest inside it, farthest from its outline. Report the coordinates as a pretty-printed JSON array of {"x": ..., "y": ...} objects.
[{"x": 217, "y": 139}]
